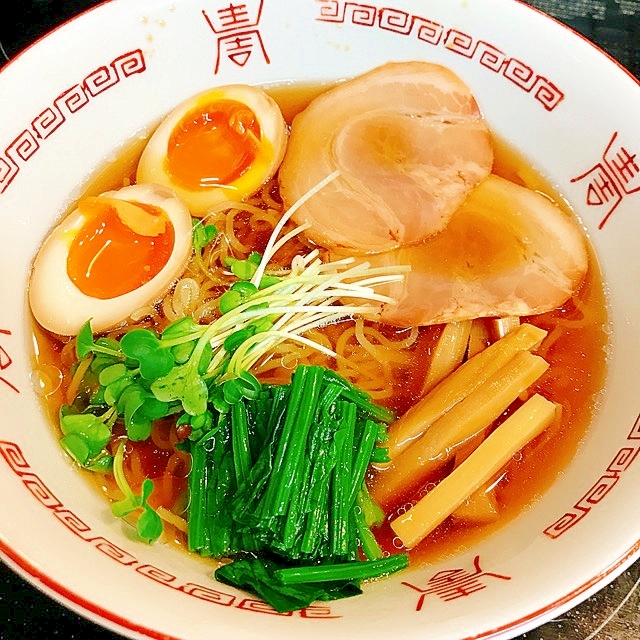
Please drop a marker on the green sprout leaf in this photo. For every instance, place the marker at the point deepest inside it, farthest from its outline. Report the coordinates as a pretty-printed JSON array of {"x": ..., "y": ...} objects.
[
  {"x": 114, "y": 390},
  {"x": 84, "y": 340},
  {"x": 139, "y": 343},
  {"x": 181, "y": 337},
  {"x": 149, "y": 524},
  {"x": 143, "y": 346},
  {"x": 203, "y": 234},
  {"x": 102, "y": 361},
  {"x": 238, "y": 293},
  {"x": 76, "y": 446},
  {"x": 268, "y": 281},
  {"x": 218, "y": 401},
  {"x": 185, "y": 384},
  {"x": 101, "y": 464},
  {"x": 86, "y": 345},
  {"x": 112, "y": 373},
  {"x": 233, "y": 341},
  {"x": 182, "y": 352},
  {"x": 245, "y": 269},
  {"x": 85, "y": 436},
  {"x": 244, "y": 386},
  {"x": 140, "y": 408},
  {"x": 157, "y": 364},
  {"x": 199, "y": 424},
  {"x": 183, "y": 328}
]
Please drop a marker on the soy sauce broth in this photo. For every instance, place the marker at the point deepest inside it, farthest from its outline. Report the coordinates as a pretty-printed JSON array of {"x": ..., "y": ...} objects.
[{"x": 575, "y": 348}]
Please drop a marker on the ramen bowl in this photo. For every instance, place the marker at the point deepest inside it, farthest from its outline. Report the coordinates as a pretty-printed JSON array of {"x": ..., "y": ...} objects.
[{"x": 74, "y": 101}]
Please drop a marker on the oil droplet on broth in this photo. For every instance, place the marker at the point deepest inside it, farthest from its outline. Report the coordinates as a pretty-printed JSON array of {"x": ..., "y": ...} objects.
[{"x": 46, "y": 379}]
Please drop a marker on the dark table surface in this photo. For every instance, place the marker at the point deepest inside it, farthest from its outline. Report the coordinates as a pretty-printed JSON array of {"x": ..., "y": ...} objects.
[{"x": 612, "y": 614}]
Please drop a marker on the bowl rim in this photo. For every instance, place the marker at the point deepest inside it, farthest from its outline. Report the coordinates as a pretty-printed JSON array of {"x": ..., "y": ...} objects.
[{"x": 57, "y": 591}]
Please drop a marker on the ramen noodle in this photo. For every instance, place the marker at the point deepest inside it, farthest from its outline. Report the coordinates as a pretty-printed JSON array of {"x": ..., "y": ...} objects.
[{"x": 393, "y": 362}]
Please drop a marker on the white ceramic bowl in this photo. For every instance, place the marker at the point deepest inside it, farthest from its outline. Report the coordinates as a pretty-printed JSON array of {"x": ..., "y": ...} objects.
[{"x": 86, "y": 89}]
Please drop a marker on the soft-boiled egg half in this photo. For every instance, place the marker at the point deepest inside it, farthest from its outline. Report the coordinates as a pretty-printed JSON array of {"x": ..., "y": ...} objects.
[
  {"x": 110, "y": 256},
  {"x": 219, "y": 145}
]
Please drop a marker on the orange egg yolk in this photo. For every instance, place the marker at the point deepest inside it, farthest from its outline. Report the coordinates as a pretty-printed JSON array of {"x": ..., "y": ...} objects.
[
  {"x": 213, "y": 145},
  {"x": 121, "y": 246}
]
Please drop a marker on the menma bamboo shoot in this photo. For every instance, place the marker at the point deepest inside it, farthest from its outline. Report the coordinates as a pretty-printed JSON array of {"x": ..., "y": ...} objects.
[
  {"x": 511, "y": 436},
  {"x": 448, "y": 354},
  {"x": 480, "y": 507},
  {"x": 465, "y": 419},
  {"x": 459, "y": 384}
]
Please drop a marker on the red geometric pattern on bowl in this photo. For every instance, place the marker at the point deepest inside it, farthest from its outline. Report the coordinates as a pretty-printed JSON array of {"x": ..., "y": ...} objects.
[
  {"x": 448, "y": 585},
  {"x": 13, "y": 456},
  {"x": 28, "y": 141},
  {"x": 236, "y": 27},
  {"x": 621, "y": 462},
  {"x": 435, "y": 34}
]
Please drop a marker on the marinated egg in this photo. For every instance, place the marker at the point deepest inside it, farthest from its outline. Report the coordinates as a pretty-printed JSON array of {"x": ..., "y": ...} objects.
[
  {"x": 113, "y": 254},
  {"x": 221, "y": 144}
]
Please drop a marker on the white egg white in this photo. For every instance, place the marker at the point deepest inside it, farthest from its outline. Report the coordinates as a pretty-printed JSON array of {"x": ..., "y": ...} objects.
[
  {"x": 57, "y": 303},
  {"x": 151, "y": 167}
]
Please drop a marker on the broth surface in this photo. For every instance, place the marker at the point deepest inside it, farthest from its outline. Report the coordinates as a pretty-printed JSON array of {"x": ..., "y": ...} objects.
[{"x": 575, "y": 348}]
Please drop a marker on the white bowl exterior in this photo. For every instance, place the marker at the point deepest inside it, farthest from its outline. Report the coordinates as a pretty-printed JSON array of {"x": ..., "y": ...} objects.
[{"x": 67, "y": 105}]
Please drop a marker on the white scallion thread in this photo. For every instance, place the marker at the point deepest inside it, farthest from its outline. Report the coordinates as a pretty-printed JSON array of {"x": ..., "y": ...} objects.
[{"x": 310, "y": 294}]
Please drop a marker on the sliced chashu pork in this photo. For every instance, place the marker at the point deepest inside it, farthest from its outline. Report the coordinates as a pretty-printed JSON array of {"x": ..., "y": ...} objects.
[
  {"x": 409, "y": 142},
  {"x": 507, "y": 251}
]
